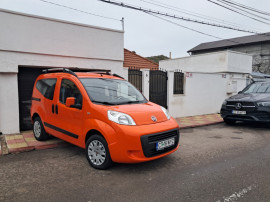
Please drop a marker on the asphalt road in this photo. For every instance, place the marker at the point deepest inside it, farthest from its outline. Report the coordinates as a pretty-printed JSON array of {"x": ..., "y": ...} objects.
[{"x": 214, "y": 163}]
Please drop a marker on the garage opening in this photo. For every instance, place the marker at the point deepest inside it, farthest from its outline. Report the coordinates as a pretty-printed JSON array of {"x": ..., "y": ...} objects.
[{"x": 26, "y": 80}]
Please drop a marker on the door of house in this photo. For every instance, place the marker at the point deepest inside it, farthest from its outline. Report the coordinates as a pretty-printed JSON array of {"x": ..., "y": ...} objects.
[{"x": 158, "y": 87}]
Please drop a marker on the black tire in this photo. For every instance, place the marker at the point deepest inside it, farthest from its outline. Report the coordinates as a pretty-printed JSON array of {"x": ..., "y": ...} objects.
[
  {"x": 229, "y": 121},
  {"x": 97, "y": 152},
  {"x": 39, "y": 131}
]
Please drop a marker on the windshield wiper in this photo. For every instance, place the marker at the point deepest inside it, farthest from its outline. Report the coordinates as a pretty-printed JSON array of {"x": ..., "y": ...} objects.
[
  {"x": 105, "y": 103},
  {"x": 130, "y": 102}
]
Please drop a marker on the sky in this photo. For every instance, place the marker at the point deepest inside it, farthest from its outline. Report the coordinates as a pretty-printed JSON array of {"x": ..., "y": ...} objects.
[{"x": 145, "y": 34}]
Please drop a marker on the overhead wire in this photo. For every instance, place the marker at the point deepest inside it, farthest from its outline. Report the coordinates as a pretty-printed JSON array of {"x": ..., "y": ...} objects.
[
  {"x": 150, "y": 12},
  {"x": 248, "y": 7},
  {"x": 241, "y": 9},
  {"x": 85, "y": 12},
  {"x": 183, "y": 26},
  {"x": 238, "y": 12},
  {"x": 191, "y": 29},
  {"x": 176, "y": 17},
  {"x": 177, "y": 9}
]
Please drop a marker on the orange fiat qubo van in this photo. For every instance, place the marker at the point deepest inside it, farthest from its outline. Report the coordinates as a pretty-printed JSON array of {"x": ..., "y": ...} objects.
[{"x": 104, "y": 114}]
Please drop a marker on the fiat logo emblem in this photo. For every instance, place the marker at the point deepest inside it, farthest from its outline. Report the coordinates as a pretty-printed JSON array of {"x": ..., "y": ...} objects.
[
  {"x": 154, "y": 118},
  {"x": 238, "y": 106}
]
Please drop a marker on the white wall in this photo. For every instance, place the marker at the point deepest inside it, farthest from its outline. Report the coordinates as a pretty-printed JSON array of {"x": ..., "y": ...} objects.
[
  {"x": 34, "y": 34},
  {"x": 203, "y": 93},
  {"x": 224, "y": 61},
  {"x": 9, "y": 62},
  {"x": 212, "y": 78},
  {"x": 27, "y": 40},
  {"x": 239, "y": 62},
  {"x": 9, "y": 107}
]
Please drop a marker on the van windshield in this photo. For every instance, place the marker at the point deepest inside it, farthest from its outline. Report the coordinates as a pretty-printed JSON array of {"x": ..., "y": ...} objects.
[
  {"x": 258, "y": 87},
  {"x": 111, "y": 91}
]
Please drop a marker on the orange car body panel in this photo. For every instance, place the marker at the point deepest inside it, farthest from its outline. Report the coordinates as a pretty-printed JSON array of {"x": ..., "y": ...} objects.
[{"x": 123, "y": 140}]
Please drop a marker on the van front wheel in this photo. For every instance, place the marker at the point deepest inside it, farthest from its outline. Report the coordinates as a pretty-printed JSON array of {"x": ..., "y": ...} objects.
[{"x": 97, "y": 152}]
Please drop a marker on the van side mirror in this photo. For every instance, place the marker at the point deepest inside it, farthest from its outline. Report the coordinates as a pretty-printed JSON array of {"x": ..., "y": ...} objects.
[
  {"x": 70, "y": 101},
  {"x": 239, "y": 92}
]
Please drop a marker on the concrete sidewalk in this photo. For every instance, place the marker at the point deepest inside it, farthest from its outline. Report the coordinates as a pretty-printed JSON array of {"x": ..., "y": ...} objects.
[
  {"x": 25, "y": 141},
  {"x": 196, "y": 121}
]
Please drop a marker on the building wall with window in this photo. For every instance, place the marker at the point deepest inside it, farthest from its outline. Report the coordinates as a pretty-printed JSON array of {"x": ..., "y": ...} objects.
[
  {"x": 203, "y": 92},
  {"x": 208, "y": 80},
  {"x": 35, "y": 43}
]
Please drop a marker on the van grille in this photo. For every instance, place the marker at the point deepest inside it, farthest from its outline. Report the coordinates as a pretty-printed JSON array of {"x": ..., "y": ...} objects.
[
  {"x": 149, "y": 142},
  {"x": 163, "y": 136}
]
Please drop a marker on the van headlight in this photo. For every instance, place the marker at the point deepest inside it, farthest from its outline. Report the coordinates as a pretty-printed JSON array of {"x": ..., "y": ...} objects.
[
  {"x": 263, "y": 104},
  {"x": 120, "y": 118},
  {"x": 166, "y": 112},
  {"x": 224, "y": 102}
]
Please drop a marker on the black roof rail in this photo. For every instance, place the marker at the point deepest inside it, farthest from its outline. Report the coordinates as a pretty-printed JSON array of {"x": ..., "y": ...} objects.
[
  {"x": 71, "y": 71},
  {"x": 116, "y": 75},
  {"x": 54, "y": 70},
  {"x": 98, "y": 71}
]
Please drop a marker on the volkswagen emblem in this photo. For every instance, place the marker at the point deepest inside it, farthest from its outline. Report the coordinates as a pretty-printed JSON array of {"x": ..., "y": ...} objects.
[
  {"x": 238, "y": 106},
  {"x": 154, "y": 118}
]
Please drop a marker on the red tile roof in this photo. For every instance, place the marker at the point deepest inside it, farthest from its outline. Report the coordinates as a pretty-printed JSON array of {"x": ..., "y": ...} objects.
[{"x": 131, "y": 59}]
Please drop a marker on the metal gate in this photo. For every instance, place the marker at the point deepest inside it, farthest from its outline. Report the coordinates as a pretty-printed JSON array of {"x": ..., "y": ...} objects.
[
  {"x": 135, "y": 77},
  {"x": 158, "y": 87}
]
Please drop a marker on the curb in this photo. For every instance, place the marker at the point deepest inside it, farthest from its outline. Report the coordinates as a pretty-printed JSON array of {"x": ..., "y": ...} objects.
[
  {"x": 32, "y": 148},
  {"x": 49, "y": 146},
  {"x": 24, "y": 142},
  {"x": 18, "y": 150},
  {"x": 199, "y": 125}
]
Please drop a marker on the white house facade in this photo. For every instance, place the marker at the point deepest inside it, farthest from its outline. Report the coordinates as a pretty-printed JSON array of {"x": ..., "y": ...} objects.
[
  {"x": 30, "y": 43},
  {"x": 209, "y": 80}
]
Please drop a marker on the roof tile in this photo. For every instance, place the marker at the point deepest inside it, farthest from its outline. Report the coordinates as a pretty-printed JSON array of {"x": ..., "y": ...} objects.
[{"x": 131, "y": 59}]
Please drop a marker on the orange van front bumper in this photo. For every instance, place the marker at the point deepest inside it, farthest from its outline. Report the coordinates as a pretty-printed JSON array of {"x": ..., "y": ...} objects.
[{"x": 138, "y": 143}]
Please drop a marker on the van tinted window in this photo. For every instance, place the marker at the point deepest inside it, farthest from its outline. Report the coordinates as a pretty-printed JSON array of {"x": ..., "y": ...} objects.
[{"x": 46, "y": 87}]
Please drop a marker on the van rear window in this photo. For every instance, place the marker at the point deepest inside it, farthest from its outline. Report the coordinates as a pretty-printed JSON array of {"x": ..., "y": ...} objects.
[{"x": 46, "y": 87}]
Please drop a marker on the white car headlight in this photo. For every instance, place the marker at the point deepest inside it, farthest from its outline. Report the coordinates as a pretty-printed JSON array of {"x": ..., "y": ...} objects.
[
  {"x": 224, "y": 102},
  {"x": 166, "y": 112},
  {"x": 120, "y": 118},
  {"x": 263, "y": 104}
]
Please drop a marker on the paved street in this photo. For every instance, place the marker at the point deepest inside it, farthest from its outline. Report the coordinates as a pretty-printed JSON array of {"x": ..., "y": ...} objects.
[{"x": 214, "y": 163}]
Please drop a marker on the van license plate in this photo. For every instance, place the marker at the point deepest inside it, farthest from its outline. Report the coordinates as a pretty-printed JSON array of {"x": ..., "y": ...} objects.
[
  {"x": 239, "y": 112},
  {"x": 164, "y": 144}
]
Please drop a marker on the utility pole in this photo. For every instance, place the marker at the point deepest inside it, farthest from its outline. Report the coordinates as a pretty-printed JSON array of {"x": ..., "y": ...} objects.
[{"x": 123, "y": 24}]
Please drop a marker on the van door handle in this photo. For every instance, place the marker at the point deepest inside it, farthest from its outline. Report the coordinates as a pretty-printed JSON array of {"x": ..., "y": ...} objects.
[
  {"x": 56, "y": 109},
  {"x": 53, "y": 108}
]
